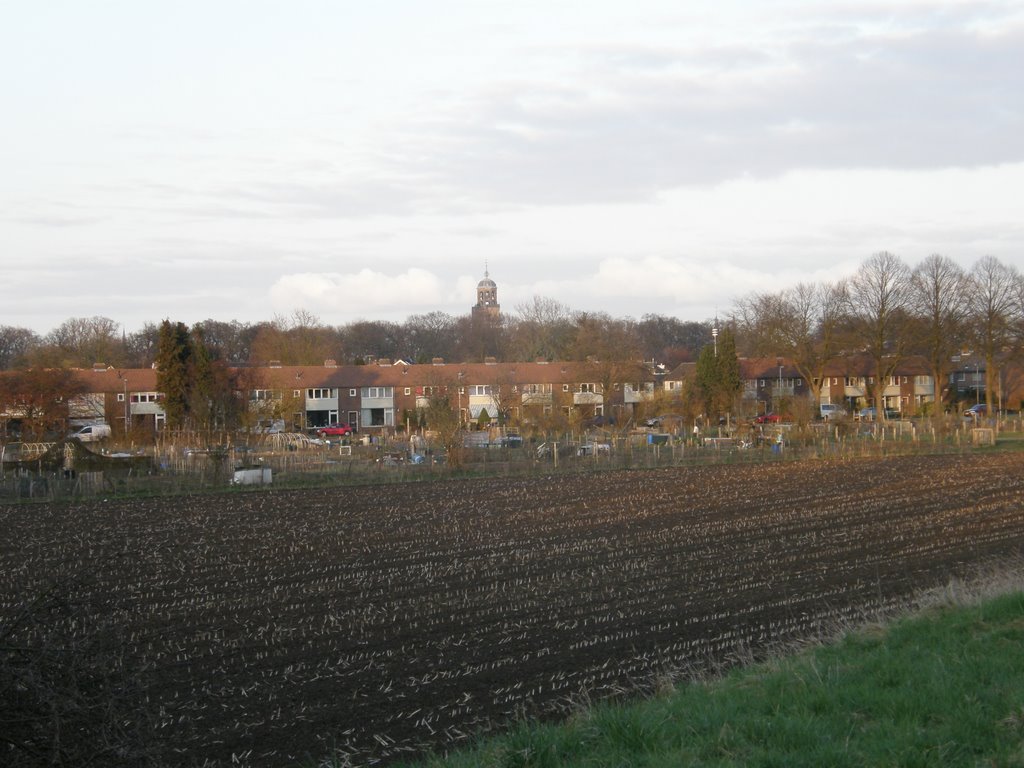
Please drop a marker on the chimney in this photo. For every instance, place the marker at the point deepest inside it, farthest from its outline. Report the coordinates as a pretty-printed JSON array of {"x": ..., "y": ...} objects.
[
  {"x": 330, "y": 363},
  {"x": 490, "y": 361},
  {"x": 437, "y": 361},
  {"x": 384, "y": 361}
]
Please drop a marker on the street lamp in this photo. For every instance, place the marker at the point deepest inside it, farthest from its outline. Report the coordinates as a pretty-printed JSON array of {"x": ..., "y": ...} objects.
[
  {"x": 778, "y": 391},
  {"x": 124, "y": 397}
]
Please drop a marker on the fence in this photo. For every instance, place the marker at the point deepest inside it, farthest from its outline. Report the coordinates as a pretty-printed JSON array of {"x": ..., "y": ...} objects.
[{"x": 177, "y": 467}]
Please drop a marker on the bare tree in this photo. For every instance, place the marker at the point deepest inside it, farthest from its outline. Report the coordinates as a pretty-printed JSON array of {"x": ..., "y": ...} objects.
[
  {"x": 801, "y": 323},
  {"x": 141, "y": 346},
  {"x": 811, "y": 332},
  {"x": 38, "y": 398},
  {"x": 79, "y": 342},
  {"x": 599, "y": 336},
  {"x": 434, "y": 334},
  {"x": 542, "y": 329},
  {"x": 227, "y": 341},
  {"x": 671, "y": 341},
  {"x": 878, "y": 300},
  {"x": 444, "y": 419},
  {"x": 762, "y": 323},
  {"x": 299, "y": 339},
  {"x": 940, "y": 301},
  {"x": 993, "y": 316},
  {"x": 366, "y": 339},
  {"x": 15, "y": 345}
]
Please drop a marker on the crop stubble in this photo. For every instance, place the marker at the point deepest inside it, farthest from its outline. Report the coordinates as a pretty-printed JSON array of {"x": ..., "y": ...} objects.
[{"x": 385, "y": 620}]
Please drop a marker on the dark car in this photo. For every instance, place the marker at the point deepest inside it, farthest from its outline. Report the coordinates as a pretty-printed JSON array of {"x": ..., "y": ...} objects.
[
  {"x": 976, "y": 411},
  {"x": 335, "y": 430}
]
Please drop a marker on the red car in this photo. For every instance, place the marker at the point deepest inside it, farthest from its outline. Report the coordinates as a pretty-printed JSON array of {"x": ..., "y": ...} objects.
[
  {"x": 335, "y": 430},
  {"x": 768, "y": 418}
]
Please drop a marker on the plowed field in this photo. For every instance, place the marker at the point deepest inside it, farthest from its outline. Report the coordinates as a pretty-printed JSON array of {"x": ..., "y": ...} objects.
[{"x": 275, "y": 626}]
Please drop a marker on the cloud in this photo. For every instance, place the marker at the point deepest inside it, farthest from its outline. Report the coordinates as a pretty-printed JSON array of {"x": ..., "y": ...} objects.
[
  {"x": 915, "y": 89},
  {"x": 356, "y": 294}
]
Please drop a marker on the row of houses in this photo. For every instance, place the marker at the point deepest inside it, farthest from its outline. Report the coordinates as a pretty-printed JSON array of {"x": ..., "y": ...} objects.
[{"x": 386, "y": 394}]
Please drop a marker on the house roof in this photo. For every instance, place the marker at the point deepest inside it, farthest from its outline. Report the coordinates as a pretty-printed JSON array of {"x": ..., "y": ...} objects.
[{"x": 113, "y": 380}]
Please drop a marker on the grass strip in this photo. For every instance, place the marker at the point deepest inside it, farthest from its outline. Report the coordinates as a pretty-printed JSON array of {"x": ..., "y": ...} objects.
[{"x": 944, "y": 687}]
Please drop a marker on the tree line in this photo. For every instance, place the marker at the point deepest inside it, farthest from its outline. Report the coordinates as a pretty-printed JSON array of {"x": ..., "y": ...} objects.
[
  {"x": 540, "y": 329},
  {"x": 885, "y": 310}
]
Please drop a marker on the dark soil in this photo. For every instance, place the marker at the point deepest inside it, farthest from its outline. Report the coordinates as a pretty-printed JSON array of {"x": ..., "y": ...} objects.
[{"x": 269, "y": 628}]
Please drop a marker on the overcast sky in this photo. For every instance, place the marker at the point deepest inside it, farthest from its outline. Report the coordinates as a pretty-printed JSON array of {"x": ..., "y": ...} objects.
[{"x": 240, "y": 159}]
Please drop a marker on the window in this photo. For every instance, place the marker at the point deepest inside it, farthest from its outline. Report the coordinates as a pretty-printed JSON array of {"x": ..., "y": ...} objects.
[
  {"x": 761, "y": 383},
  {"x": 296, "y": 393},
  {"x": 120, "y": 397},
  {"x": 565, "y": 387},
  {"x": 146, "y": 397},
  {"x": 408, "y": 390},
  {"x": 260, "y": 394},
  {"x": 378, "y": 392},
  {"x": 588, "y": 387},
  {"x": 319, "y": 394},
  {"x": 351, "y": 393},
  {"x": 480, "y": 389}
]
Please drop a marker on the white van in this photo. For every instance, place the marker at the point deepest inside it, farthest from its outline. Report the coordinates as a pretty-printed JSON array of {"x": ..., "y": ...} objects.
[
  {"x": 831, "y": 411},
  {"x": 93, "y": 433}
]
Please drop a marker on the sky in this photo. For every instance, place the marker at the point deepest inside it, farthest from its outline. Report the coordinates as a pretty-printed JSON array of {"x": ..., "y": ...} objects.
[{"x": 243, "y": 159}]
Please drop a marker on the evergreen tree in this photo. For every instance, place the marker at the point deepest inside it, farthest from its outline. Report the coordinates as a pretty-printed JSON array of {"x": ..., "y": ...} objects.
[
  {"x": 718, "y": 375},
  {"x": 174, "y": 350},
  {"x": 202, "y": 406},
  {"x": 730, "y": 381}
]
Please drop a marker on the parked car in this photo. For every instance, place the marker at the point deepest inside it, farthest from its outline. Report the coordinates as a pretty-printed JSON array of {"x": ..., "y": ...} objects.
[
  {"x": 269, "y": 426},
  {"x": 832, "y": 411},
  {"x": 770, "y": 418},
  {"x": 976, "y": 411},
  {"x": 92, "y": 433},
  {"x": 335, "y": 430}
]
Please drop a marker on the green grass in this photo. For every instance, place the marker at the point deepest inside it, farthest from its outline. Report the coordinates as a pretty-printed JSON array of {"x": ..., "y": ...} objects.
[{"x": 941, "y": 688}]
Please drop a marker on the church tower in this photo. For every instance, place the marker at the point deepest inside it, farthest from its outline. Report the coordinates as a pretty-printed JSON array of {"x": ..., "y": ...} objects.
[{"x": 486, "y": 306}]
